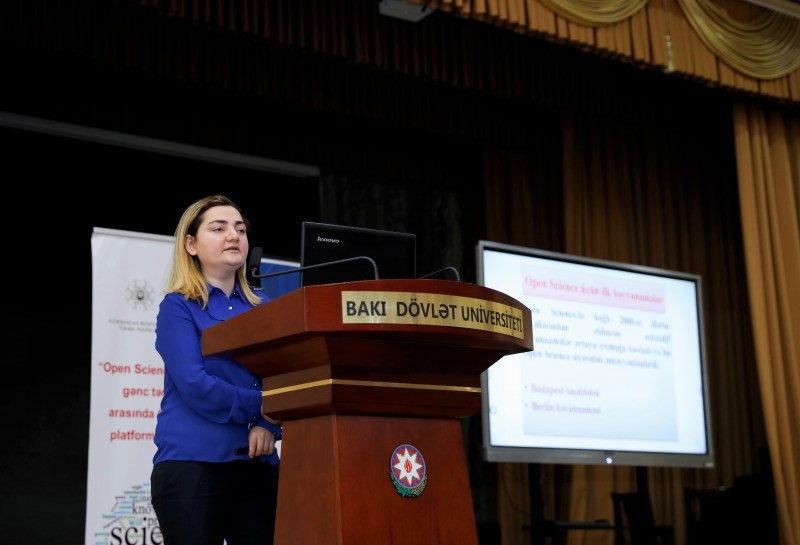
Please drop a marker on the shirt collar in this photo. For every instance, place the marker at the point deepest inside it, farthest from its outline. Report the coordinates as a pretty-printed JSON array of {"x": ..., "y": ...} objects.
[
  {"x": 219, "y": 305},
  {"x": 218, "y": 292}
]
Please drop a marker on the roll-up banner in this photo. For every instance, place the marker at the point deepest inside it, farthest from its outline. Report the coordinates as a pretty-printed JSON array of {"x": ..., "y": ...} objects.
[{"x": 129, "y": 278}]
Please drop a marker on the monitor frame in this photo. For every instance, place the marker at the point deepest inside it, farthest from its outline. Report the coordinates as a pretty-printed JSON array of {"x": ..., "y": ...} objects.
[
  {"x": 355, "y": 242},
  {"x": 537, "y": 454}
]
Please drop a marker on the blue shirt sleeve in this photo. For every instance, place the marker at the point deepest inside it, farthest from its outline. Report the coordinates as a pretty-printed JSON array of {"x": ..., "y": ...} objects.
[{"x": 277, "y": 431}]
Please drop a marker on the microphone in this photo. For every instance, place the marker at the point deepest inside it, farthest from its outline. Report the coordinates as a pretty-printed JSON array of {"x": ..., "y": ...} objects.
[
  {"x": 254, "y": 267},
  {"x": 434, "y": 273}
]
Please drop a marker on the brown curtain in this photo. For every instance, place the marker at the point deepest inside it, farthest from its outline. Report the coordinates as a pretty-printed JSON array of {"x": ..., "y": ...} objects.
[
  {"x": 523, "y": 206},
  {"x": 659, "y": 193},
  {"x": 768, "y": 161},
  {"x": 661, "y": 35},
  {"x": 664, "y": 196},
  {"x": 523, "y": 198}
]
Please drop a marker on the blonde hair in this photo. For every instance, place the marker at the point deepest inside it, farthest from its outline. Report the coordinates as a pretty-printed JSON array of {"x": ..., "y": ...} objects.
[{"x": 186, "y": 276}]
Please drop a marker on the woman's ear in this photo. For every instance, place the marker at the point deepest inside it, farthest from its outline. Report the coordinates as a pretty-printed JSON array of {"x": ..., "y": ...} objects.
[{"x": 190, "y": 244}]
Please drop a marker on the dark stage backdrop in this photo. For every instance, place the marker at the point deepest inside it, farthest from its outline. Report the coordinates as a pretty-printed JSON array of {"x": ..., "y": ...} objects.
[{"x": 58, "y": 189}]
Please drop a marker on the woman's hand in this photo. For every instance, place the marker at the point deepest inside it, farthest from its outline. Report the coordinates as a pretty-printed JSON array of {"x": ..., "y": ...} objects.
[{"x": 261, "y": 442}]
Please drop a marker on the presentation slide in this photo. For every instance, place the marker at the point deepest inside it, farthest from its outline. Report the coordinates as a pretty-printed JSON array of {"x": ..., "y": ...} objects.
[{"x": 616, "y": 364}]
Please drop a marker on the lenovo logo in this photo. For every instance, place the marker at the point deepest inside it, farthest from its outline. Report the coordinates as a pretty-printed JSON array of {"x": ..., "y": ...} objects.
[{"x": 323, "y": 239}]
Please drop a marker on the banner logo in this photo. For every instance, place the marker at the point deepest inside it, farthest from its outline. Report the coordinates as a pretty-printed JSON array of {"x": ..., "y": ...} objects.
[{"x": 140, "y": 295}]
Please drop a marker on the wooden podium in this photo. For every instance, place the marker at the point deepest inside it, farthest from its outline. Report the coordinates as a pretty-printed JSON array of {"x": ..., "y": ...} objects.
[{"x": 358, "y": 369}]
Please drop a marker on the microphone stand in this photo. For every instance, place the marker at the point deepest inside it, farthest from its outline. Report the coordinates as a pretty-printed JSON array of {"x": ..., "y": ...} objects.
[
  {"x": 254, "y": 268},
  {"x": 455, "y": 272}
]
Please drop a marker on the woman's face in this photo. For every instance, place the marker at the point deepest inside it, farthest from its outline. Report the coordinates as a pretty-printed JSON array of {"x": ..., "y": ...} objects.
[{"x": 221, "y": 241}]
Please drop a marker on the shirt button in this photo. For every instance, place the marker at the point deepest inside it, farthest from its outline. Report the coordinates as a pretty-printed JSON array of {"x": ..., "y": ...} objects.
[{"x": 230, "y": 308}]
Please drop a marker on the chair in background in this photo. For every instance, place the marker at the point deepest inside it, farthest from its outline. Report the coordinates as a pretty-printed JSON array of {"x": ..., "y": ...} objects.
[
  {"x": 634, "y": 523},
  {"x": 742, "y": 513},
  {"x": 710, "y": 516},
  {"x": 756, "y": 512}
]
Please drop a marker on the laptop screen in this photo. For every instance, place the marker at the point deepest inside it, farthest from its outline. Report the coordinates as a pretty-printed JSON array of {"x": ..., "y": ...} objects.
[{"x": 394, "y": 253}]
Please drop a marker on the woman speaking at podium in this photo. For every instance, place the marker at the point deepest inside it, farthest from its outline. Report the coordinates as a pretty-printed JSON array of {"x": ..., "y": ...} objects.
[{"x": 215, "y": 472}]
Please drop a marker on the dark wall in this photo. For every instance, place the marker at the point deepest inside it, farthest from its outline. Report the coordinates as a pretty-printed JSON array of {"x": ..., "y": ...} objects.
[{"x": 59, "y": 190}]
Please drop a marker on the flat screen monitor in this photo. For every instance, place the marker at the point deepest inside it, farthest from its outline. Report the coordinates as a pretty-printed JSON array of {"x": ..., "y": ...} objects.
[
  {"x": 394, "y": 253},
  {"x": 617, "y": 374}
]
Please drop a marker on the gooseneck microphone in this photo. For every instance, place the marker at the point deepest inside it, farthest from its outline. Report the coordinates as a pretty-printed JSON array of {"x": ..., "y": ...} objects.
[
  {"x": 434, "y": 273},
  {"x": 254, "y": 266}
]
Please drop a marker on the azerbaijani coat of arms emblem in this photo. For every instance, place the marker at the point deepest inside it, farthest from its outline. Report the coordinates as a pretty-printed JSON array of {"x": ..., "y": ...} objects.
[{"x": 408, "y": 471}]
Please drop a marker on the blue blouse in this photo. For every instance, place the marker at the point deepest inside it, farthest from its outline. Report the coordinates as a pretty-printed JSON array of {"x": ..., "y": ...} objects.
[{"x": 209, "y": 403}]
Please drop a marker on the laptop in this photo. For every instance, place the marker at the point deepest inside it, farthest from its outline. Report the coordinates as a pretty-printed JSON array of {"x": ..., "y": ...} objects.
[{"x": 394, "y": 253}]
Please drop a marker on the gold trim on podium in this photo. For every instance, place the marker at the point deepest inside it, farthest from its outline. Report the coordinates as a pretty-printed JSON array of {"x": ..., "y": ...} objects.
[{"x": 371, "y": 384}]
